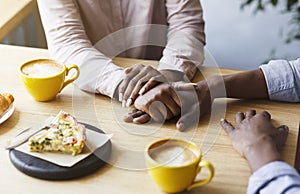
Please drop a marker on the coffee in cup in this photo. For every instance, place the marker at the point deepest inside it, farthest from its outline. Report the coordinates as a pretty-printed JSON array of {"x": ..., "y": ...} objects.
[
  {"x": 42, "y": 68},
  {"x": 45, "y": 78},
  {"x": 173, "y": 155},
  {"x": 174, "y": 164}
]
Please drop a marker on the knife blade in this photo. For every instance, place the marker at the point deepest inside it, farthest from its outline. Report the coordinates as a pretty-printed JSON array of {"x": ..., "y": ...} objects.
[{"x": 26, "y": 134}]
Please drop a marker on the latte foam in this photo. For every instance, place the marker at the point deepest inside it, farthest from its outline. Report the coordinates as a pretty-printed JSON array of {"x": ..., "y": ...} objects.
[
  {"x": 173, "y": 155},
  {"x": 41, "y": 69}
]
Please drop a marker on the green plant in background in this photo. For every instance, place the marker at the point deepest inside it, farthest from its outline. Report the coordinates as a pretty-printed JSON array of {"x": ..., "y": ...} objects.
[{"x": 291, "y": 6}]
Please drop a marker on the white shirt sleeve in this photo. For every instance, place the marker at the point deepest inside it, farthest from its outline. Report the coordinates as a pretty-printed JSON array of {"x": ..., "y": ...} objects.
[
  {"x": 186, "y": 37},
  {"x": 68, "y": 43},
  {"x": 283, "y": 80},
  {"x": 275, "y": 178}
]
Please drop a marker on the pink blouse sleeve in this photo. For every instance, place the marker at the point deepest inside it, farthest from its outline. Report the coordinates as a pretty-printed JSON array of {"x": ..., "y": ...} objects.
[
  {"x": 186, "y": 37},
  {"x": 68, "y": 42}
]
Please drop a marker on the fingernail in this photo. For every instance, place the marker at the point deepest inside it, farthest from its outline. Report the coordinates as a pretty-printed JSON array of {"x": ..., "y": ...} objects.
[
  {"x": 129, "y": 102},
  {"x": 123, "y": 103},
  {"x": 120, "y": 97},
  {"x": 180, "y": 126},
  {"x": 222, "y": 120},
  {"x": 126, "y": 70},
  {"x": 194, "y": 84},
  {"x": 135, "y": 120},
  {"x": 286, "y": 128},
  {"x": 141, "y": 92}
]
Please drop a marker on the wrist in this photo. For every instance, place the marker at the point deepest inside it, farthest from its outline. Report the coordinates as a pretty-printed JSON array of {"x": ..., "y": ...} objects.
[
  {"x": 261, "y": 153},
  {"x": 216, "y": 87},
  {"x": 172, "y": 75}
]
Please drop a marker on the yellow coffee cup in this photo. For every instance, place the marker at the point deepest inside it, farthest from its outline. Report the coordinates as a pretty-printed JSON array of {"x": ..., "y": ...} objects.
[
  {"x": 174, "y": 164},
  {"x": 45, "y": 78}
]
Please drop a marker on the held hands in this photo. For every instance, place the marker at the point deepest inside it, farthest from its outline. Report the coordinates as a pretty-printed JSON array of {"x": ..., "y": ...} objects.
[
  {"x": 138, "y": 80},
  {"x": 169, "y": 100},
  {"x": 255, "y": 138}
]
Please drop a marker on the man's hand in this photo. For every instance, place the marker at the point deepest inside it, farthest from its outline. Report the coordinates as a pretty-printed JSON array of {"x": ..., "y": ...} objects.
[{"x": 255, "y": 137}]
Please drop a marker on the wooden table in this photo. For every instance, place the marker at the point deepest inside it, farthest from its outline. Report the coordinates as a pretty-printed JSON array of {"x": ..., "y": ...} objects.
[
  {"x": 126, "y": 172},
  {"x": 12, "y": 13}
]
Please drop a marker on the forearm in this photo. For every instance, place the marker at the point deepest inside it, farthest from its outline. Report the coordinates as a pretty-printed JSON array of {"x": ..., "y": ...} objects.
[
  {"x": 249, "y": 84},
  {"x": 261, "y": 154}
]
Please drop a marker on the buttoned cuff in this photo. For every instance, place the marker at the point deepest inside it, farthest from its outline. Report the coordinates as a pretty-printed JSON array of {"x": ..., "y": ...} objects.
[{"x": 280, "y": 81}]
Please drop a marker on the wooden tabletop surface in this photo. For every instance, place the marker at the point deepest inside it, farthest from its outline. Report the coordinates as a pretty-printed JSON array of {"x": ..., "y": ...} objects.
[{"x": 126, "y": 172}]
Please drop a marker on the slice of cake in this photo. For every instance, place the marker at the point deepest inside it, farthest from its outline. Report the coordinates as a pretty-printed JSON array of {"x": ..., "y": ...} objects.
[{"x": 65, "y": 135}]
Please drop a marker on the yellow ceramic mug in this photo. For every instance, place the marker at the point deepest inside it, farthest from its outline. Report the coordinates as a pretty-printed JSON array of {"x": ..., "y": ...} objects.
[
  {"x": 174, "y": 164},
  {"x": 45, "y": 78}
]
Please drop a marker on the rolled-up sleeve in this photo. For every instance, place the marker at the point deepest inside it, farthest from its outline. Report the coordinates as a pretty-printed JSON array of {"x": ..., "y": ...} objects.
[
  {"x": 283, "y": 80},
  {"x": 69, "y": 43},
  {"x": 276, "y": 177},
  {"x": 186, "y": 37}
]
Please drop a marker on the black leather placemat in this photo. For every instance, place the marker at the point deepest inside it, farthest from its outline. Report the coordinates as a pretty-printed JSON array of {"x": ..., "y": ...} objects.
[{"x": 42, "y": 169}]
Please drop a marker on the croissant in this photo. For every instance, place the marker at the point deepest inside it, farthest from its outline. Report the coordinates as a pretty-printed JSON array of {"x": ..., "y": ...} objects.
[{"x": 6, "y": 100}]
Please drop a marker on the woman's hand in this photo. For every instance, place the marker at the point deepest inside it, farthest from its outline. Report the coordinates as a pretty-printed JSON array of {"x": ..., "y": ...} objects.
[
  {"x": 138, "y": 80},
  {"x": 255, "y": 137}
]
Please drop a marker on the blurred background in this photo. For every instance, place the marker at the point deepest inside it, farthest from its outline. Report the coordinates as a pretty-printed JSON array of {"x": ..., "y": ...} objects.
[{"x": 237, "y": 38}]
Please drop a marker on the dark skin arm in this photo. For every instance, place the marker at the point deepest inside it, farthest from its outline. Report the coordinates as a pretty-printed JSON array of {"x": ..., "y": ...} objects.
[{"x": 249, "y": 84}]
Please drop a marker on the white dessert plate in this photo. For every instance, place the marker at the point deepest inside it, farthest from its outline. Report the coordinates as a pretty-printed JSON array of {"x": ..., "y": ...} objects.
[{"x": 8, "y": 113}]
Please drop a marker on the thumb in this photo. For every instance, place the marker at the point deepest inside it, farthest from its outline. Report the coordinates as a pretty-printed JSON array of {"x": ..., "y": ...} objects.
[
  {"x": 281, "y": 135},
  {"x": 184, "y": 86},
  {"x": 187, "y": 120},
  {"x": 127, "y": 70}
]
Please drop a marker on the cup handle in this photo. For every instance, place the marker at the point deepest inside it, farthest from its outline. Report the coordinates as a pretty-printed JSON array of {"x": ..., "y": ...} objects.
[
  {"x": 211, "y": 170},
  {"x": 70, "y": 80}
]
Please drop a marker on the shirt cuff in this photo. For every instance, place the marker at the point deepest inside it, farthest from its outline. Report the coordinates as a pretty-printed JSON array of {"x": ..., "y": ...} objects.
[
  {"x": 187, "y": 67},
  {"x": 99, "y": 76},
  {"x": 267, "y": 173},
  {"x": 108, "y": 83},
  {"x": 280, "y": 81}
]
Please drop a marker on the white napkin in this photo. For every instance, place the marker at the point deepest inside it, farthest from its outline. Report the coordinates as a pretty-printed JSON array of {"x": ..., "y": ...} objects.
[{"x": 94, "y": 140}]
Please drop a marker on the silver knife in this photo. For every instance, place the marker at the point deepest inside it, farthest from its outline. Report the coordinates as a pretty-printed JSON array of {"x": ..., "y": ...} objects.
[{"x": 27, "y": 133}]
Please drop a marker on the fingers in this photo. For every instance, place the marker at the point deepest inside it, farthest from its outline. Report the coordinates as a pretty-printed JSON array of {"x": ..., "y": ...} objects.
[
  {"x": 281, "y": 135},
  {"x": 159, "y": 112},
  {"x": 227, "y": 126},
  {"x": 134, "y": 114},
  {"x": 239, "y": 117},
  {"x": 153, "y": 81},
  {"x": 266, "y": 114},
  {"x": 172, "y": 107},
  {"x": 143, "y": 85},
  {"x": 133, "y": 87},
  {"x": 250, "y": 113},
  {"x": 128, "y": 81},
  {"x": 144, "y": 118},
  {"x": 188, "y": 120},
  {"x": 138, "y": 80},
  {"x": 184, "y": 86}
]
